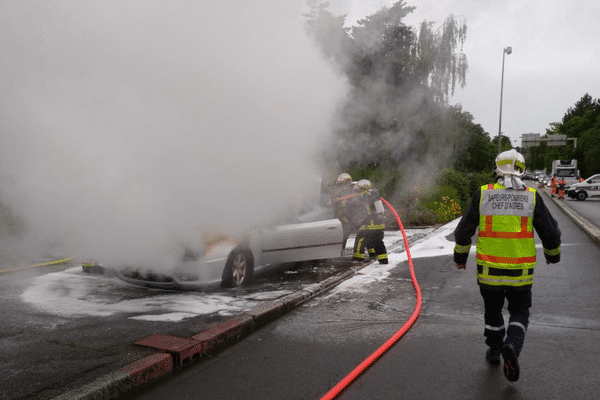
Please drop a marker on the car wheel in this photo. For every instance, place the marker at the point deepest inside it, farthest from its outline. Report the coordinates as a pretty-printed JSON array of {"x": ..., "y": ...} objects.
[
  {"x": 238, "y": 269},
  {"x": 581, "y": 196}
]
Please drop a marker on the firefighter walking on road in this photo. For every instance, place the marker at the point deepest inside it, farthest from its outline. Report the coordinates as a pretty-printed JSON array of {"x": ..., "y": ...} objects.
[
  {"x": 553, "y": 186},
  {"x": 370, "y": 215},
  {"x": 506, "y": 214}
]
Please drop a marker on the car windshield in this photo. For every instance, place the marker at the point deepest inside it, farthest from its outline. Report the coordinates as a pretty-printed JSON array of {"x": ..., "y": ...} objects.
[{"x": 565, "y": 172}]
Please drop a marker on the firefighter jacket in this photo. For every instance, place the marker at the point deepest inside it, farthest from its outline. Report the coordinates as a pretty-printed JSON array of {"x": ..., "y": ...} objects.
[
  {"x": 342, "y": 202},
  {"x": 370, "y": 212},
  {"x": 506, "y": 253}
]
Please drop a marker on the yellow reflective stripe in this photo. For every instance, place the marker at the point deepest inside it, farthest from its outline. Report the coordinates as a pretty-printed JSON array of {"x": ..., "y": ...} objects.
[
  {"x": 357, "y": 253},
  {"x": 462, "y": 249},
  {"x": 382, "y": 257},
  {"x": 372, "y": 227},
  {"x": 525, "y": 277},
  {"x": 553, "y": 252},
  {"x": 505, "y": 280},
  {"x": 504, "y": 162}
]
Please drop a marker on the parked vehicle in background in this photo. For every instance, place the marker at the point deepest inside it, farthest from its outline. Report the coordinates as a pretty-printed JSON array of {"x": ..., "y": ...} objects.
[
  {"x": 565, "y": 169},
  {"x": 582, "y": 190}
]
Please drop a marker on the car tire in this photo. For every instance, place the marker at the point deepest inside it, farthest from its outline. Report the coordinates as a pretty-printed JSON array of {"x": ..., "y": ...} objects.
[
  {"x": 581, "y": 196},
  {"x": 238, "y": 269}
]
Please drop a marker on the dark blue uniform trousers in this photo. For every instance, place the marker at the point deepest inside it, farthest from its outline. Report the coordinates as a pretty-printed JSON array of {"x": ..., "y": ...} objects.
[{"x": 496, "y": 333}]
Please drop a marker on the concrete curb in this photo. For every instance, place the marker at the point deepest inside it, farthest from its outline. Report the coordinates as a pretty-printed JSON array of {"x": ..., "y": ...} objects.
[
  {"x": 592, "y": 230},
  {"x": 177, "y": 352}
]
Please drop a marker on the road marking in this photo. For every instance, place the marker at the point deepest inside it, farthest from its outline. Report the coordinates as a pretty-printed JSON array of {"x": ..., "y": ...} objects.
[{"x": 46, "y": 264}]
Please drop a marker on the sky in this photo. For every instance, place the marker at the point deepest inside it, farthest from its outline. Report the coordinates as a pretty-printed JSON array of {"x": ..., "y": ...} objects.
[{"x": 554, "y": 62}]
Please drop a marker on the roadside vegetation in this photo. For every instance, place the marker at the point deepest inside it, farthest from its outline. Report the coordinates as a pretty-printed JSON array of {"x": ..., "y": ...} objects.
[{"x": 582, "y": 122}]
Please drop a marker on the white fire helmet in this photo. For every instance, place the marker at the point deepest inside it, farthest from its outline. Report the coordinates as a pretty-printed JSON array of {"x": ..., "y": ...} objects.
[
  {"x": 510, "y": 162},
  {"x": 343, "y": 178},
  {"x": 364, "y": 184}
]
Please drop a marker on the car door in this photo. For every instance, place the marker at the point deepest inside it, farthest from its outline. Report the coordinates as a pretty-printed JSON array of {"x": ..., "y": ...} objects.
[
  {"x": 301, "y": 242},
  {"x": 594, "y": 188}
]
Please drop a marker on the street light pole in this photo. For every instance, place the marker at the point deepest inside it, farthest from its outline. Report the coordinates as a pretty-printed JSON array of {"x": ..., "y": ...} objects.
[{"x": 507, "y": 50}]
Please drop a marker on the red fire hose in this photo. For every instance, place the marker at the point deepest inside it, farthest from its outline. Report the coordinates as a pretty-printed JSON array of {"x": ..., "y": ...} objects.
[{"x": 337, "y": 389}]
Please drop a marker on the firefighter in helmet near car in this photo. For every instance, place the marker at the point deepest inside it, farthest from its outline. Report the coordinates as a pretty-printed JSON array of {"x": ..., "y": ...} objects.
[
  {"x": 370, "y": 217},
  {"x": 344, "y": 191}
]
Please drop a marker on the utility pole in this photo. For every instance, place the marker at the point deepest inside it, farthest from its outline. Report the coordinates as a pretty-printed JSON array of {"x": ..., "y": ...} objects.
[{"x": 507, "y": 50}]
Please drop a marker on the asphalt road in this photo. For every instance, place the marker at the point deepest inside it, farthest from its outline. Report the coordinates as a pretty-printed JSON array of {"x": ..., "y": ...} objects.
[
  {"x": 589, "y": 208},
  {"x": 304, "y": 354},
  {"x": 62, "y": 328}
]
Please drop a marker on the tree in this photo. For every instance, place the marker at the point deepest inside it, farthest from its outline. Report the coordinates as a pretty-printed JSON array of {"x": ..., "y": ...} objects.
[
  {"x": 582, "y": 121},
  {"x": 505, "y": 143},
  {"x": 381, "y": 48},
  {"x": 328, "y": 32},
  {"x": 396, "y": 117},
  {"x": 473, "y": 150}
]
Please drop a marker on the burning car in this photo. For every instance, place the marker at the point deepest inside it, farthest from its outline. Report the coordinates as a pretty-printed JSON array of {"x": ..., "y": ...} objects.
[
  {"x": 308, "y": 232},
  {"x": 231, "y": 262}
]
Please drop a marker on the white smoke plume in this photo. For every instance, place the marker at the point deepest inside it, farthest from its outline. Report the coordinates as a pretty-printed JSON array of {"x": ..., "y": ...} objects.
[{"x": 131, "y": 126}]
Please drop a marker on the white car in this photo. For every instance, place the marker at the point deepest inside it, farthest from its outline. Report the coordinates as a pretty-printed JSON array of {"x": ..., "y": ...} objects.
[
  {"x": 231, "y": 262},
  {"x": 582, "y": 190}
]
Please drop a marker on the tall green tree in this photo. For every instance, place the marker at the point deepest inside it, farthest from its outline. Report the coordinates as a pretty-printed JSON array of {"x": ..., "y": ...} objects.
[
  {"x": 474, "y": 151},
  {"x": 581, "y": 122},
  {"x": 505, "y": 143}
]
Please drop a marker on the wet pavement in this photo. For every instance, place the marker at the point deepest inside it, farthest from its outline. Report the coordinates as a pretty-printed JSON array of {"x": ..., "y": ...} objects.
[
  {"x": 65, "y": 328},
  {"x": 308, "y": 351}
]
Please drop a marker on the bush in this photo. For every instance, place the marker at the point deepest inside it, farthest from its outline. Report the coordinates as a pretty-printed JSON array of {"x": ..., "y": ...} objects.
[
  {"x": 439, "y": 200},
  {"x": 455, "y": 185},
  {"x": 478, "y": 179}
]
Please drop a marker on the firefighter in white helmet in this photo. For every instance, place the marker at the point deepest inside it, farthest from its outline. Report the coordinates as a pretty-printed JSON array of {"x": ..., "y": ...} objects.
[
  {"x": 506, "y": 214},
  {"x": 343, "y": 193},
  {"x": 372, "y": 223}
]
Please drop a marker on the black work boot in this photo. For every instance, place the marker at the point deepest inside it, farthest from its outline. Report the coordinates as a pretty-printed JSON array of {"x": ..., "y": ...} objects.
[
  {"x": 511, "y": 364},
  {"x": 493, "y": 356}
]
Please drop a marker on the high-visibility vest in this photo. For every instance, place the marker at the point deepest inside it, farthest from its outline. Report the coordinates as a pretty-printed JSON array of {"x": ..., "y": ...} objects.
[{"x": 505, "y": 244}]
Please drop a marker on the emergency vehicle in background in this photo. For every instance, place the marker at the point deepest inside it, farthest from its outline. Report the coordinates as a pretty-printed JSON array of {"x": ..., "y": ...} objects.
[
  {"x": 582, "y": 190},
  {"x": 565, "y": 170}
]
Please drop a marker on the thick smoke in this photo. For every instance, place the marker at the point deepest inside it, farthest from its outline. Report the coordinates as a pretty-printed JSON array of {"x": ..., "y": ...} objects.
[
  {"x": 396, "y": 114},
  {"x": 131, "y": 128}
]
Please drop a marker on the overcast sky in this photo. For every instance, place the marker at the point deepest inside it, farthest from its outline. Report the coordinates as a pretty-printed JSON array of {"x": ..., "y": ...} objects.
[{"x": 555, "y": 56}]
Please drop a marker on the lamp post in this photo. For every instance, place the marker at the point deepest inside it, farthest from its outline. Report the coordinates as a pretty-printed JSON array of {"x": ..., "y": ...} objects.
[{"x": 507, "y": 50}]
